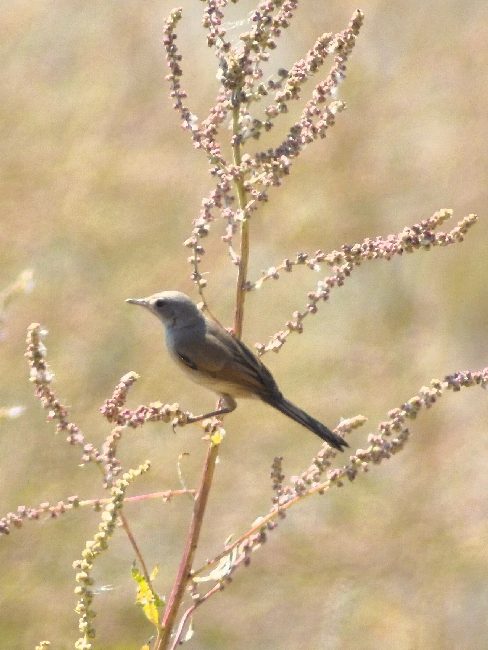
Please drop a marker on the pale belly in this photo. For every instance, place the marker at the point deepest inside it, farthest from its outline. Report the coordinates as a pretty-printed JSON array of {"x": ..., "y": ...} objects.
[{"x": 215, "y": 385}]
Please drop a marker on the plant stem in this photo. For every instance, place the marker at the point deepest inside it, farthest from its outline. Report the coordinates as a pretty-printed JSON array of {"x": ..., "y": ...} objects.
[
  {"x": 135, "y": 546},
  {"x": 189, "y": 612},
  {"x": 184, "y": 570},
  {"x": 183, "y": 576},
  {"x": 164, "y": 495},
  {"x": 244, "y": 247}
]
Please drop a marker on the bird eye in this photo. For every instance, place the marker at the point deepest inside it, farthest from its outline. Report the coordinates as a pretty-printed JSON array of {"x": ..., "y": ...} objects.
[{"x": 160, "y": 302}]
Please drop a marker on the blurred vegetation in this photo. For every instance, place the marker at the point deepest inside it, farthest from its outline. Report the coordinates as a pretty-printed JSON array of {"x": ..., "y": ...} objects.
[{"x": 99, "y": 186}]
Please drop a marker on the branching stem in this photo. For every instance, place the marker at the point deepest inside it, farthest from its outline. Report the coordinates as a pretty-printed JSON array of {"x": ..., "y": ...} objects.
[{"x": 185, "y": 568}]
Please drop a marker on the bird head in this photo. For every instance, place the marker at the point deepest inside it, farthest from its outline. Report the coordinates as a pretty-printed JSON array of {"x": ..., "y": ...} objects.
[{"x": 173, "y": 308}]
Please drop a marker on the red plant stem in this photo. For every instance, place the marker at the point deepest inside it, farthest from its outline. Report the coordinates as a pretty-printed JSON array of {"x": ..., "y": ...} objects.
[
  {"x": 135, "y": 546},
  {"x": 184, "y": 569},
  {"x": 181, "y": 627}
]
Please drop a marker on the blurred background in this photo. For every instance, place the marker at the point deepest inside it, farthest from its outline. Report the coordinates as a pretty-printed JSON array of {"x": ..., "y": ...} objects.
[{"x": 99, "y": 187}]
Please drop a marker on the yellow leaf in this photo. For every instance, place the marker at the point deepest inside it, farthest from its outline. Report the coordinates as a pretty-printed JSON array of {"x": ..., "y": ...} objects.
[{"x": 146, "y": 597}]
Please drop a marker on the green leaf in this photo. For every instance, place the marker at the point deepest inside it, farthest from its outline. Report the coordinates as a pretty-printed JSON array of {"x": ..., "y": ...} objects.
[{"x": 149, "y": 601}]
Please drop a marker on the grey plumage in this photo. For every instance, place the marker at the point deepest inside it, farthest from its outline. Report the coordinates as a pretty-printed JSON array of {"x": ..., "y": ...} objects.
[{"x": 215, "y": 359}]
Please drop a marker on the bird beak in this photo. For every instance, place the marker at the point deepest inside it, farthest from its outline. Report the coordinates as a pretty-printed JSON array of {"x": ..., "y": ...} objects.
[{"x": 138, "y": 301}]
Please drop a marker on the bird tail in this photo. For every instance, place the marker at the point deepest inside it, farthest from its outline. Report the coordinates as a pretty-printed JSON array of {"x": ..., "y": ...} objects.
[{"x": 307, "y": 421}]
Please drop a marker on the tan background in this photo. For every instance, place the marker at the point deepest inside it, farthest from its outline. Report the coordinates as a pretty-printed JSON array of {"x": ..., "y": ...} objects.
[{"x": 99, "y": 186}]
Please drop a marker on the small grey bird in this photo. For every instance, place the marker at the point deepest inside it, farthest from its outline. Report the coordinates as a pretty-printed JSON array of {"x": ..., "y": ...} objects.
[{"x": 217, "y": 360}]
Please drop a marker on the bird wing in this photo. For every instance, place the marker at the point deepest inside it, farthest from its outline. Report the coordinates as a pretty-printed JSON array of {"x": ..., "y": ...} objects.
[
  {"x": 241, "y": 367},
  {"x": 199, "y": 352},
  {"x": 213, "y": 353}
]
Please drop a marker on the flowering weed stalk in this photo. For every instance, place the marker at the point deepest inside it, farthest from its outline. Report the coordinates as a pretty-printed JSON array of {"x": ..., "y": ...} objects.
[{"x": 250, "y": 103}]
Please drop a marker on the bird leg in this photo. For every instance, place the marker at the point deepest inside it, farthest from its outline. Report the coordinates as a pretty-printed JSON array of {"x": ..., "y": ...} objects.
[{"x": 228, "y": 404}]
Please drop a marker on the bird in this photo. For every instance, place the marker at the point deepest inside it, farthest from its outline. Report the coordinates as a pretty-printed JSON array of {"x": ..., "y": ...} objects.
[{"x": 213, "y": 357}]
